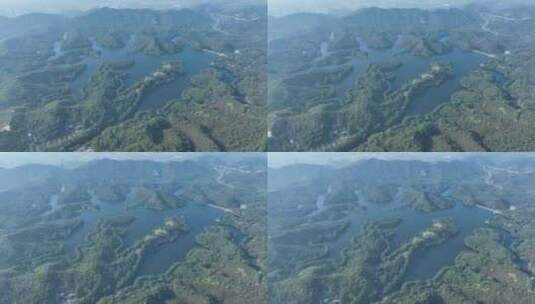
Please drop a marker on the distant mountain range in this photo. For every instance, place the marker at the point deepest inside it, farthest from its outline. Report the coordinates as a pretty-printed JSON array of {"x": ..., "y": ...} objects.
[
  {"x": 343, "y": 7},
  {"x": 371, "y": 18},
  {"x": 73, "y": 8},
  {"x": 129, "y": 170},
  {"x": 106, "y": 18},
  {"x": 380, "y": 170}
]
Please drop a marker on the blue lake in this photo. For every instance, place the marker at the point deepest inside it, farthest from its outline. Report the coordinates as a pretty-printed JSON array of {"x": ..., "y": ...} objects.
[
  {"x": 193, "y": 62},
  {"x": 412, "y": 67},
  {"x": 428, "y": 262},
  {"x": 197, "y": 218}
]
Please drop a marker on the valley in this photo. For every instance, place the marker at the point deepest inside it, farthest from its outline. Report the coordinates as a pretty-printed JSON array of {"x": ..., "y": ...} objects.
[
  {"x": 134, "y": 80},
  {"x": 354, "y": 82},
  {"x": 97, "y": 234},
  {"x": 401, "y": 231}
]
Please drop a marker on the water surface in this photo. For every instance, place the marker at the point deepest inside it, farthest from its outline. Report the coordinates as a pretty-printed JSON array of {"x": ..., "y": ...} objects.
[
  {"x": 411, "y": 68},
  {"x": 426, "y": 263},
  {"x": 197, "y": 218},
  {"x": 193, "y": 62}
]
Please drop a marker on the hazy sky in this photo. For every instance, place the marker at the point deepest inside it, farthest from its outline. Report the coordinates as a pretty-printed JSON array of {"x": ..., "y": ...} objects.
[
  {"x": 276, "y": 7},
  {"x": 284, "y": 7},
  {"x": 277, "y": 160},
  {"x": 11, "y": 160},
  {"x": 17, "y": 7}
]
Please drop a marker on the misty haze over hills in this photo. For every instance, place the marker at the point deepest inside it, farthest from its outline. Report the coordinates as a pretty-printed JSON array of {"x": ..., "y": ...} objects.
[
  {"x": 346, "y": 69},
  {"x": 286, "y": 7},
  {"x": 186, "y": 44},
  {"x": 280, "y": 160},
  {"x": 276, "y": 7},
  {"x": 12, "y": 160},
  {"x": 67, "y": 160},
  {"x": 21, "y": 7}
]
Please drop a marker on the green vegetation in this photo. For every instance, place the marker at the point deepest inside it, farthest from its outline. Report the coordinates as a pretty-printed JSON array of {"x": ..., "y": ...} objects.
[
  {"x": 381, "y": 194},
  {"x": 86, "y": 236},
  {"x": 110, "y": 193},
  {"x": 217, "y": 269},
  {"x": 427, "y": 202},
  {"x": 207, "y": 105},
  {"x": 370, "y": 269},
  {"x": 480, "y": 117},
  {"x": 371, "y": 107},
  {"x": 393, "y": 231},
  {"x": 155, "y": 200},
  {"x": 74, "y": 194},
  {"x": 333, "y": 96},
  {"x": 486, "y": 272},
  {"x": 100, "y": 268},
  {"x": 61, "y": 90}
]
